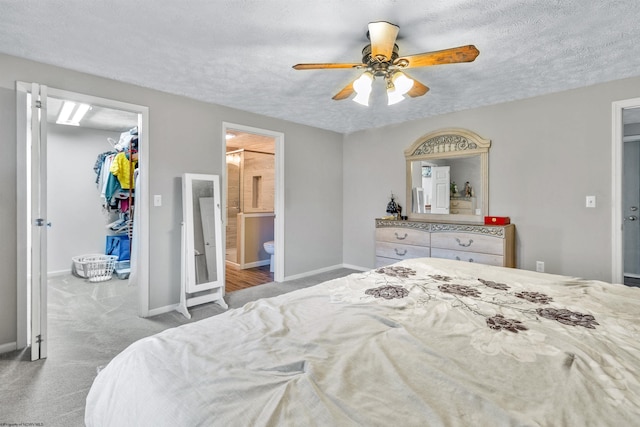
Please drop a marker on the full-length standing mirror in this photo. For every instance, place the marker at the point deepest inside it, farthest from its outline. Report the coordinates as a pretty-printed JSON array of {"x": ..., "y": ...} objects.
[{"x": 202, "y": 249}]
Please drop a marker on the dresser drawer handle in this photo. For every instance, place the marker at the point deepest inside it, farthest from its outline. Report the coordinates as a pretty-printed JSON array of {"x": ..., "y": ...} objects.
[
  {"x": 464, "y": 245},
  {"x": 401, "y": 238},
  {"x": 400, "y": 254},
  {"x": 458, "y": 258}
]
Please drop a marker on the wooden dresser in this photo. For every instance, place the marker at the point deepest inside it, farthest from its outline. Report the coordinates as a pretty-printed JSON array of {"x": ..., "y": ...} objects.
[{"x": 484, "y": 244}]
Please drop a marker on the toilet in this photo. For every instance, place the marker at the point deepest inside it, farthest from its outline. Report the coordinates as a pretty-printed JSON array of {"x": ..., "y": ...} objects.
[{"x": 268, "y": 246}]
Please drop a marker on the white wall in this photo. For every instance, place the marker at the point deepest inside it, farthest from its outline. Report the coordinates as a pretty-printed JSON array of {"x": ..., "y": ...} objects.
[
  {"x": 185, "y": 136},
  {"x": 547, "y": 154},
  {"x": 74, "y": 206}
]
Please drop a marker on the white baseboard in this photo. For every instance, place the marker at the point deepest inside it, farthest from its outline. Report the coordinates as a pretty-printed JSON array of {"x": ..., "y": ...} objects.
[
  {"x": 6, "y": 348},
  {"x": 311, "y": 273},
  {"x": 58, "y": 273},
  {"x": 355, "y": 267}
]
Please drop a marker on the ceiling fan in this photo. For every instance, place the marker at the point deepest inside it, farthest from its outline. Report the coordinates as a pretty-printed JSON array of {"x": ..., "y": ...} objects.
[{"x": 380, "y": 58}]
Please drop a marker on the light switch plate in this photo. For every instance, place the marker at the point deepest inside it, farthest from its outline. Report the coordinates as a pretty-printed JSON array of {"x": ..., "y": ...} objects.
[
  {"x": 591, "y": 201},
  {"x": 157, "y": 200}
]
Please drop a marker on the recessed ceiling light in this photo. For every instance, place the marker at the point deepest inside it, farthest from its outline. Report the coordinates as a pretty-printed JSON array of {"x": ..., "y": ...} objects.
[{"x": 70, "y": 114}]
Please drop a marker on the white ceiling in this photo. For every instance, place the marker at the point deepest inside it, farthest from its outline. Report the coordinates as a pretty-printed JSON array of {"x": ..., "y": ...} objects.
[{"x": 239, "y": 53}]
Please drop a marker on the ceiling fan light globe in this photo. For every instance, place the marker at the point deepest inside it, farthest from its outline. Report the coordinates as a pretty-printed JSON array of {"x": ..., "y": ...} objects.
[
  {"x": 362, "y": 99},
  {"x": 393, "y": 97},
  {"x": 362, "y": 87},
  {"x": 402, "y": 83},
  {"x": 363, "y": 83}
]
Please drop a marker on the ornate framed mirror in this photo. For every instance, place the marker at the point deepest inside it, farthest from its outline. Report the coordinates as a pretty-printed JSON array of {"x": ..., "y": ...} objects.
[{"x": 448, "y": 177}]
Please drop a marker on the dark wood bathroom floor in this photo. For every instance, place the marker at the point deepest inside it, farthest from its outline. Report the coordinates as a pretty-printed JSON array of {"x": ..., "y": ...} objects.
[{"x": 237, "y": 279}]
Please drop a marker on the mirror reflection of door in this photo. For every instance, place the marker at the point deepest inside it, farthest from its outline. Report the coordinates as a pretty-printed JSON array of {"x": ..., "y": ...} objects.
[{"x": 440, "y": 191}]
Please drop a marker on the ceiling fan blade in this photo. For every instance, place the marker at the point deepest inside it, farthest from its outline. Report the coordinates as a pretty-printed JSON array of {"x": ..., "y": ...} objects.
[
  {"x": 418, "y": 89},
  {"x": 326, "y": 66},
  {"x": 345, "y": 93},
  {"x": 447, "y": 56},
  {"x": 383, "y": 37}
]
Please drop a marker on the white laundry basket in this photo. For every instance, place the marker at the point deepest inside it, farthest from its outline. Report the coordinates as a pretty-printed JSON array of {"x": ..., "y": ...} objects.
[{"x": 94, "y": 267}]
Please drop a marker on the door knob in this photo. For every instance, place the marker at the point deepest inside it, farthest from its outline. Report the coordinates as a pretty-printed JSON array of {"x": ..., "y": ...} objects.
[
  {"x": 632, "y": 218},
  {"x": 633, "y": 208}
]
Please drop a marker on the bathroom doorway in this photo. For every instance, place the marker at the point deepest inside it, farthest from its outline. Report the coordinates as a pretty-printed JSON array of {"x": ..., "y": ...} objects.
[{"x": 250, "y": 207}]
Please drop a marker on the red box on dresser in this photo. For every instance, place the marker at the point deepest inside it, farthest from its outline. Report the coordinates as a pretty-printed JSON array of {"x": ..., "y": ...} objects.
[{"x": 497, "y": 220}]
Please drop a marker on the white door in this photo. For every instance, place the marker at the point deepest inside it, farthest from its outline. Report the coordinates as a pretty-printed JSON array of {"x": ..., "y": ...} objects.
[
  {"x": 38, "y": 222},
  {"x": 440, "y": 190},
  {"x": 630, "y": 206}
]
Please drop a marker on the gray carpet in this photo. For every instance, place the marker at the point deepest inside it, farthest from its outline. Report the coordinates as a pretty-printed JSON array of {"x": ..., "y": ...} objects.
[{"x": 89, "y": 324}]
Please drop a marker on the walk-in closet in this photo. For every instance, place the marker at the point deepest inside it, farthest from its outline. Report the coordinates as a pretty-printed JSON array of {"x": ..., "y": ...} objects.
[{"x": 92, "y": 167}]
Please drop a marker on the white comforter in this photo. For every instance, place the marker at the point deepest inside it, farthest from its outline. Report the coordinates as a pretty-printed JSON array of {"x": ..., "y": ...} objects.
[{"x": 424, "y": 342}]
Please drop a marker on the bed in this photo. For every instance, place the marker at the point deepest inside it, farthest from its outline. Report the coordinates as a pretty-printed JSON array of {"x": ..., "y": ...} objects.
[{"x": 421, "y": 342}]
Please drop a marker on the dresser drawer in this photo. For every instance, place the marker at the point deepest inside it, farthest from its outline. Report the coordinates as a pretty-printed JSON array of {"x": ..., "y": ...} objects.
[
  {"x": 399, "y": 251},
  {"x": 468, "y": 242},
  {"x": 479, "y": 258},
  {"x": 402, "y": 235}
]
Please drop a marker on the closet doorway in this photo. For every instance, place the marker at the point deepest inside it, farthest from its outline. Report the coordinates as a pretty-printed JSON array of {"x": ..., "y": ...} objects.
[
  {"x": 626, "y": 192},
  {"x": 253, "y": 206},
  {"x": 61, "y": 214}
]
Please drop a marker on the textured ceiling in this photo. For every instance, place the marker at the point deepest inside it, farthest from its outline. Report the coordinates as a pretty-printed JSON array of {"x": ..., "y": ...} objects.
[{"x": 239, "y": 53}]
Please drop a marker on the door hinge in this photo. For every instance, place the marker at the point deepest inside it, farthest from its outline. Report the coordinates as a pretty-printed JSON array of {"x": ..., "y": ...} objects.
[
  {"x": 38, "y": 104},
  {"x": 39, "y": 222},
  {"x": 39, "y": 339}
]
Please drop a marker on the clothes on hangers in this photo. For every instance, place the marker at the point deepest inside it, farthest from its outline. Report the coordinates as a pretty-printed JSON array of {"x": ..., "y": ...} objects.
[
  {"x": 121, "y": 168},
  {"x": 97, "y": 167},
  {"x": 114, "y": 171},
  {"x": 123, "y": 143},
  {"x": 126, "y": 139}
]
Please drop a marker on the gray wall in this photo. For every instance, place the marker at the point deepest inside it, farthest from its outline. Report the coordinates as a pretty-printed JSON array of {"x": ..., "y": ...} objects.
[
  {"x": 74, "y": 206},
  {"x": 547, "y": 154},
  {"x": 185, "y": 136},
  {"x": 8, "y": 274}
]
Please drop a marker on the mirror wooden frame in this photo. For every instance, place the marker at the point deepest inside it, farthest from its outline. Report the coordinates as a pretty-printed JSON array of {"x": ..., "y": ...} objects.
[{"x": 445, "y": 144}]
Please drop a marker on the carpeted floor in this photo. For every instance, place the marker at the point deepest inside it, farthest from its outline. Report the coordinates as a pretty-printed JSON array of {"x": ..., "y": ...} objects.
[{"x": 89, "y": 324}]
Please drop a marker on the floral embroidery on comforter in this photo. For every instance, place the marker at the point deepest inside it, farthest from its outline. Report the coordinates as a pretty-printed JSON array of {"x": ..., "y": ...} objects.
[
  {"x": 473, "y": 289},
  {"x": 487, "y": 309}
]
